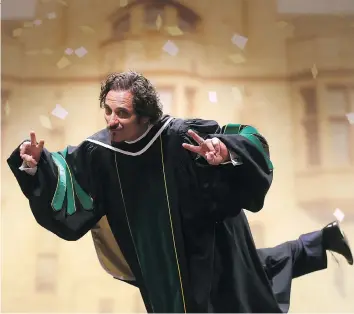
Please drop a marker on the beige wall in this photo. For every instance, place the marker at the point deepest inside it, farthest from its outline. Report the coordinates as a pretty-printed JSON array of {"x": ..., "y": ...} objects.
[{"x": 278, "y": 61}]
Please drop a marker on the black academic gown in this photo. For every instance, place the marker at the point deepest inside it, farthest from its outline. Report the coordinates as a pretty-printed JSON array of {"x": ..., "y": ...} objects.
[{"x": 177, "y": 220}]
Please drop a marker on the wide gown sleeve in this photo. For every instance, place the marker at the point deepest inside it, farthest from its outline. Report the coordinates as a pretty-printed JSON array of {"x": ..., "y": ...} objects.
[
  {"x": 244, "y": 183},
  {"x": 64, "y": 193}
]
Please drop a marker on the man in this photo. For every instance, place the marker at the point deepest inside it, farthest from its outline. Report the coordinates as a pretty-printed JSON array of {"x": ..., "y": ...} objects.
[
  {"x": 281, "y": 263},
  {"x": 173, "y": 191}
]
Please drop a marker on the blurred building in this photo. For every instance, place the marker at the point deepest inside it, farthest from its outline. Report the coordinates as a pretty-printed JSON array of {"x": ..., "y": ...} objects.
[{"x": 286, "y": 67}]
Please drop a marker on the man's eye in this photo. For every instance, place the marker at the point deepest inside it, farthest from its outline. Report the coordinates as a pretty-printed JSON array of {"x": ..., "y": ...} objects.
[
  {"x": 108, "y": 110},
  {"x": 122, "y": 114}
]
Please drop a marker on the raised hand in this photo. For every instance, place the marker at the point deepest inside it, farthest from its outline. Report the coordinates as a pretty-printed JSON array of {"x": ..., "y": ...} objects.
[
  {"x": 30, "y": 152},
  {"x": 213, "y": 150}
]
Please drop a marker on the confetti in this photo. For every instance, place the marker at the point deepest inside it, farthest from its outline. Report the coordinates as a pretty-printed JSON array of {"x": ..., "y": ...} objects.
[
  {"x": 213, "y": 97},
  {"x": 237, "y": 94},
  {"x": 45, "y": 122},
  {"x": 237, "y": 58},
  {"x": 59, "y": 112},
  {"x": 239, "y": 41},
  {"x": 123, "y": 3},
  {"x": 170, "y": 48},
  {"x": 158, "y": 22},
  {"x": 69, "y": 51},
  {"x": 63, "y": 63},
  {"x": 314, "y": 71},
  {"x": 17, "y": 32},
  {"x": 37, "y": 22},
  {"x": 338, "y": 214},
  {"x": 87, "y": 29},
  {"x": 80, "y": 52},
  {"x": 47, "y": 51},
  {"x": 350, "y": 117},
  {"x": 282, "y": 24},
  {"x": 174, "y": 31},
  {"x": 51, "y": 16},
  {"x": 7, "y": 109}
]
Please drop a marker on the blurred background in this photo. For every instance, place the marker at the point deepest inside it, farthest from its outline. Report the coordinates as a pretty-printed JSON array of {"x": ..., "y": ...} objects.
[{"x": 285, "y": 67}]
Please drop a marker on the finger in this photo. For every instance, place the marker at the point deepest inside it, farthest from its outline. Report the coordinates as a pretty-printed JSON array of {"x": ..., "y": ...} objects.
[
  {"x": 195, "y": 136},
  {"x": 41, "y": 145},
  {"x": 192, "y": 148},
  {"x": 33, "y": 138},
  {"x": 216, "y": 143},
  {"x": 208, "y": 146},
  {"x": 24, "y": 147},
  {"x": 29, "y": 160}
]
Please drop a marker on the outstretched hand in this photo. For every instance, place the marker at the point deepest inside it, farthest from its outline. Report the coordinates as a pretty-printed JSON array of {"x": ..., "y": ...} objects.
[
  {"x": 213, "y": 150},
  {"x": 30, "y": 152}
]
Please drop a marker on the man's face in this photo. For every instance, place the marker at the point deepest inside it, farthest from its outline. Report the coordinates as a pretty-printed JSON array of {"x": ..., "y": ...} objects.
[{"x": 120, "y": 117}]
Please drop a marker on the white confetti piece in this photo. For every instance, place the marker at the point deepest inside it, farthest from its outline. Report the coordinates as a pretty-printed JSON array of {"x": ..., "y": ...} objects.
[
  {"x": 237, "y": 95},
  {"x": 59, "y": 112},
  {"x": 37, "y": 22},
  {"x": 282, "y": 24},
  {"x": 80, "y": 52},
  {"x": 159, "y": 22},
  {"x": 350, "y": 117},
  {"x": 51, "y": 16},
  {"x": 171, "y": 48},
  {"x": 69, "y": 51},
  {"x": 338, "y": 214},
  {"x": 213, "y": 97},
  {"x": 123, "y": 3},
  {"x": 45, "y": 122},
  {"x": 63, "y": 63},
  {"x": 87, "y": 29},
  {"x": 314, "y": 71},
  {"x": 174, "y": 31},
  {"x": 17, "y": 32},
  {"x": 239, "y": 41},
  {"x": 7, "y": 109}
]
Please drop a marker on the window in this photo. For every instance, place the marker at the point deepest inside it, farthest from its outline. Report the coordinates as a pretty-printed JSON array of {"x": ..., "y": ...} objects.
[
  {"x": 339, "y": 102},
  {"x": 121, "y": 27},
  {"x": 152, "y": 12},
  {"x": 166, "y": 98},
  {"x": 46, "y": 272},
  {"x": 310, "y": 124}
]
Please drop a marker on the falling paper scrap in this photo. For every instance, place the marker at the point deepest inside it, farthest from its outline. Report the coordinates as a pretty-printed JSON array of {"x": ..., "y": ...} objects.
[
  {"x": 174, "y": 31},
  {"x": 37, "y": 22},
  {"x": 158, "y": 22},
  {"x": 32, "y": 52},
  {"x": 45, "y": 122},
  {"x": 350, "y": 117},
  {"x": 62, "y": 2},
  {"x": 87, "y": 29},
  {"x": 69, "y": 51},
  {"x": 27, "y": 24},
  {"x": 51, "y": 16},
  {"x": 170, "y": 48},
  {"x": 17, "y": 32},
  {"x": 80, "y": 52},
  {"x": 63, "y": 63},
  {"x": 59, "y": 112},
  {"x": 123, "y": 3},
  {"x": 239, "y": 41},
  {"x": 7, "y": 109},
  {"x": 314, "y": 71},
  {"x": 338, "y": 214},
  {"x": 213, "y": 97}
]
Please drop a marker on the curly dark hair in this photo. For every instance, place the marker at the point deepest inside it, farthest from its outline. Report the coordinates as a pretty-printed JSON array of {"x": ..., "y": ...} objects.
[{"x": 146, "y": 101}]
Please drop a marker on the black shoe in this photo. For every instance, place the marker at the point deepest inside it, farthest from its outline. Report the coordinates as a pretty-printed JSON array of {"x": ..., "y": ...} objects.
[{"x": 335, "y": 240}]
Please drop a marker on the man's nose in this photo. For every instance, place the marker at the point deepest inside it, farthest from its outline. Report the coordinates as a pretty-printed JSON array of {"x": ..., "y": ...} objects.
[{"x": 113, "y": 120}]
